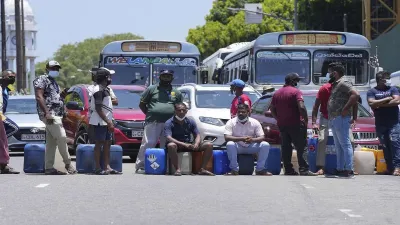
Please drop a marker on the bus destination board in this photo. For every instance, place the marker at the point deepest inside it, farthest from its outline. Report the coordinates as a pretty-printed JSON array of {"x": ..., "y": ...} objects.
[
  {"x": 312, "y": 39},
  {"x": 151, "y": 46}
]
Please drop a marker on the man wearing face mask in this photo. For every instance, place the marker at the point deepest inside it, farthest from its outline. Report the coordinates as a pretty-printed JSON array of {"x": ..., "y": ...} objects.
[
  {"x": 8, "y": 78},
  {"x": 321, "y": 103},
  {"x": 50, "y": 107},
  {"x": 244, "y": 135},
  {"x": 183, "y": 136},
  {"x": 287, "y": 107},
  {"x": 240, "y": 98},
  {"x": 340, "y": 110},
  {"x": 384, "y": 100},
  {"x": 157, "y": 102}
]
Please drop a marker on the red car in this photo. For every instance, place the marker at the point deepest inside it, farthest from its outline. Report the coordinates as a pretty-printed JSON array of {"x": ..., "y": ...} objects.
[
  {"x": 128, "y": 117},
  {"x": 364, "y": 133}
]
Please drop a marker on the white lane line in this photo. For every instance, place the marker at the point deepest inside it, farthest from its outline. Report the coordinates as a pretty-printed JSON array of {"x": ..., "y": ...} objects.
[
  {"x": 307, "y": 186},
  {"x": 348, "y": 213},
  {"x": 42, "y": 185}
]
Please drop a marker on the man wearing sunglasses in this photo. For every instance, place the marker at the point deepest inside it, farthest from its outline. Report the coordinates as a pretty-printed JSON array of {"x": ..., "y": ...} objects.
[
  {"x": 157, "y": 102},
  {"x": 8, "y": 78}
]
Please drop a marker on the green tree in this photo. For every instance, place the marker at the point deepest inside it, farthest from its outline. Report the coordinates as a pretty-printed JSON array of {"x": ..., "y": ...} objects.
[{"x": 80, "y": 56}]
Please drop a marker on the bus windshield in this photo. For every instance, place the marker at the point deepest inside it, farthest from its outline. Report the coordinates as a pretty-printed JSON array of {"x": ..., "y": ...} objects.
[
  {"x": 126, "y": 74},
  {"x": 272, "y": 66},
  {"x": 354, "y": 61},
  {"x": 182, "y": 74}
]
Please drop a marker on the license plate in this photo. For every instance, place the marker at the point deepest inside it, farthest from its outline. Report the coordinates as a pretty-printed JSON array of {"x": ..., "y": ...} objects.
[
  {"x": 137, "y": 134},
  {"x": 33, "y": 137}
]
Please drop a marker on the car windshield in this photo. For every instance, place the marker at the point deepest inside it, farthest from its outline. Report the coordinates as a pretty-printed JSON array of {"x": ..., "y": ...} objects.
[
  {"x": 273, "y": 66},
  {"x": 127, "y": 99},
  {"x": 309, "y": 101},
  {"x": 182, "y": 74},
  {"x": 220, "y": 99},
  {"x": 21, "y": 106}
]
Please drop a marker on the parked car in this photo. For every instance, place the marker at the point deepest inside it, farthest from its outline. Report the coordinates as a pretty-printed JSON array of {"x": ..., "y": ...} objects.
[
  {"x": 22, "y": 110},
  {"x": 129, "y": 119},
  {"x": 364, "y": 132},
  {"x": 209, "y": 106}
]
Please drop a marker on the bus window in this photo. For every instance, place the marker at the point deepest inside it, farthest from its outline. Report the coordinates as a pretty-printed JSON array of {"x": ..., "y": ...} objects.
[
  {"x": 273, "y": 66},
  {"x": 236, "y": 74},
  {"x": 182, "y": 74},
  {"x": 127, "y": 74},
  {"x": 354, "y": 61}
]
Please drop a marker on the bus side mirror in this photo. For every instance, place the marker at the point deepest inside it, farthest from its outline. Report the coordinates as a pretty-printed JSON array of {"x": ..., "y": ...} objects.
[
  {"x": 244, "y": 76},
  {"x": 204, "y": 76}
]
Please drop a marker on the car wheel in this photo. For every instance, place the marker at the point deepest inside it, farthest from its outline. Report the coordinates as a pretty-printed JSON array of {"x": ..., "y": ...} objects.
[{"x": 81, "y": 138}]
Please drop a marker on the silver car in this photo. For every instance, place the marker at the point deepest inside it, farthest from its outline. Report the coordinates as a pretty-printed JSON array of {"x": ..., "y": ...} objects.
[{"x": 22, "y": 110}]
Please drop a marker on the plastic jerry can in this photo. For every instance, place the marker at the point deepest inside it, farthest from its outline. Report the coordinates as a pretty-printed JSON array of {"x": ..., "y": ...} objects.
[
  {"x": 85, "y": 158},
  {"x": 381, "y": 166},
  {"x": 312, "y": 154},
  {"x": 371, "y": 150},
  {"x": 330, "y": 158},
  {"x": 116, "y": 154},
  {"x": 220, "y": 162},
  {"x": 197, "y": 160},
  {"x": 246, "y": 164},
  {"x": 185, "y": 160},
  {"x": 155, "y": 161},
  {"x": 34, "y": 159},
  {"x": 273, "y": 164},
  {"x": 295, "y": 161},
  {"x": 364, "y": 162}
]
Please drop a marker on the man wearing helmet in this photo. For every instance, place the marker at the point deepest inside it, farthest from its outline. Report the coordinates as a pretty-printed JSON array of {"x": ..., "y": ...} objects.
[
  {"x": 237, "y": 87},
  {"x": 157, "y": 102},
  {"x": 50, "y": 107}
]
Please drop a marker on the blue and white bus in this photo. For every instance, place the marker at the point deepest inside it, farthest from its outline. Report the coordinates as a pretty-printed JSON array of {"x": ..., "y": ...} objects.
[
  {"x": 269, "y": 58},
  {"x": 138, "y": 62}
]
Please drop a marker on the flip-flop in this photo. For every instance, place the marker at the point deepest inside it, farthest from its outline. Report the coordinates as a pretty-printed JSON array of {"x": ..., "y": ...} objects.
[
  {"x": 396, "y": 172},
  {"x": 114, "y": 172},
  {"x": 100, "y": 172},
  {"x": 206, "y": 173},
  {"x": 178, "y": 174}
]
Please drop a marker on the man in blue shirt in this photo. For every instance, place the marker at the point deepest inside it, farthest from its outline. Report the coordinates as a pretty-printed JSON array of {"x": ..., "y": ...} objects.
[
  {"x": 8, "y": 78},
  {"x": 180, "y": 132},
  {"x": 384, "y": 100}
]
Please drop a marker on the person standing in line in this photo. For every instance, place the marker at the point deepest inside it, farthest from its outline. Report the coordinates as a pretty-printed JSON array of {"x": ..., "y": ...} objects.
[
  {"x": 237, "y": 87},
  {"x": 287, "y": 107},
  {"x": 321, "y": 104},
  {"x": 341, "y": 101},
  {"x": 8, "y": 78},
  {"x": 50, "y": 107},
  {"x": 385, "y": 100},
  {"x": 157, "y": 102},
  {"x": 101, "y": 120}
]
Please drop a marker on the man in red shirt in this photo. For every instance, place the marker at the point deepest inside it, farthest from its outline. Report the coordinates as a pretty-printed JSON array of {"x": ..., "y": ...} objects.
[
  {"x": 241, "y": 98},
  {"x": 287, "y": 107},
  {"x": 321, "y": 103}
]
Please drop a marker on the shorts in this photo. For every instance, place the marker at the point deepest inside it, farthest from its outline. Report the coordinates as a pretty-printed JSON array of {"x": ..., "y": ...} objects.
[
  {"x": 182, "y": 149},
  {"x": 101, "y": 133}
]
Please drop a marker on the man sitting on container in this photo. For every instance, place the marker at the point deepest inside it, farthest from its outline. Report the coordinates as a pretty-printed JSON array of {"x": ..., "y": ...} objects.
[
  {"x": 245, "y": 136},
  {"x": 180, "y": 132}
]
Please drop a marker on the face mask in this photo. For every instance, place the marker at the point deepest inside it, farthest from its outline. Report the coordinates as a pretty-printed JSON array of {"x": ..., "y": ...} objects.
[
  {"x": 297, "y": 85},
  {"x": 388, "y": 83},
  {"x": 108, "y": 81},
  {"x": 53, "y": 73},
  {"x": 243, "y": 118},
  {"x": 180, "y": 119},
  {"x": 11, "y": 80}
]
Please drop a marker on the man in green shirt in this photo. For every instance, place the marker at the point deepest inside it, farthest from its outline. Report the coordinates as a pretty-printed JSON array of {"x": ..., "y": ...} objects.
[{"x": 157, "y": 102}]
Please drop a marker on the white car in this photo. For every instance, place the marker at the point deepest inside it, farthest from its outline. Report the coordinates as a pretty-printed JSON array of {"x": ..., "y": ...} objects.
[
  {"x": 22, "y": 110},
  {"x": 209, "y": 106}
]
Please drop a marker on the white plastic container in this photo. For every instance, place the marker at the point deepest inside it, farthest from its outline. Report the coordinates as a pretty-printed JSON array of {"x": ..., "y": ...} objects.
[
  {"x": 295, "y": 161},
  {"x": 364, "y": 162},
  {"x": 185, "y": 160}
]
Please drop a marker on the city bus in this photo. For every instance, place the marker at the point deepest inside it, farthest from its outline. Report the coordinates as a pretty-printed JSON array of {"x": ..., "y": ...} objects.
[
  {"x": 138, "y": 62},
  {"x": 269, "y": 58},
  {"x": 213, "y": 63}
]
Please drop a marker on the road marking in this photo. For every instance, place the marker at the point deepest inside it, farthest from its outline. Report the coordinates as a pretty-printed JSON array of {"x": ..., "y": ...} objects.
[
  {"x": 307, "y": 186},
  {"x": 42, "y": 185},
  {"x": 348, "y": 213}
]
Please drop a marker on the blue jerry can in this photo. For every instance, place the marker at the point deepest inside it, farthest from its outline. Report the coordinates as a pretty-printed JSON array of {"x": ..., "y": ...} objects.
[
  {"x": 246, "y": 164},
  {"x": 220, "y": 162},
  {"x": 85, "y": 158},
  {"x": 116, "y": 154},
  {"x": 273, "y": 164},
  {"x": 312, "y": 154},
  {"x": 330, "y": 159},
  {"x": 155, "y": 161},
  {"x": 34, "y": 159}
]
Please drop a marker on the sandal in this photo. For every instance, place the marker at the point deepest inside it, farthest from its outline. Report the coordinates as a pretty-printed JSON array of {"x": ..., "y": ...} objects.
[
  {"x": 178, "y": 173},
  {"x": 100, "y": 172},
  {"x": 54, "y": 172},
  {"x": 205, "y": 172},
  {"x": 8, "y": 170},
  {"x": 263, "y": 173},
  {"x": 232, "y": 173},
  {"x": 396, "y": 172},
  {"x": 114, "y": 172}
]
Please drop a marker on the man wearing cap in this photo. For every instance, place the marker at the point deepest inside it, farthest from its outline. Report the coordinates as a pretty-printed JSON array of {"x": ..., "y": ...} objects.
[
  {"x": 287, "y": 107},
  {"x": 237, "y": 87},
  {"x": 8, "y": 78},
  {"x": 157, "y": 102},
  {"x": 50, "y": 107}
]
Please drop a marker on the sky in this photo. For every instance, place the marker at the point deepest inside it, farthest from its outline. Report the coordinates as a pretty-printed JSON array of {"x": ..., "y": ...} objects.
[{"x": 67, "y": 21}]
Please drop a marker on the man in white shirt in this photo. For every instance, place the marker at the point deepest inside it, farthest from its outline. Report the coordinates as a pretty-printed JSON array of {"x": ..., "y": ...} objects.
[{"x": 246, "y": 136}]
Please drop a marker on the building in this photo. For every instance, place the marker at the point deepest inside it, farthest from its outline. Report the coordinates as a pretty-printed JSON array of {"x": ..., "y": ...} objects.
[{"x": 30, "y": 40}]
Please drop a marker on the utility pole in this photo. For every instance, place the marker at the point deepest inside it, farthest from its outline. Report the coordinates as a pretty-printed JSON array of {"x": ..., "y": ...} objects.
[
  {"x": 345, "y": 22},
  {"x": 296, "y": 16},
  {"x": 3, "y": 37},
  {"x": 23, "y": 45},
  {"x": 18, "y": 45}
]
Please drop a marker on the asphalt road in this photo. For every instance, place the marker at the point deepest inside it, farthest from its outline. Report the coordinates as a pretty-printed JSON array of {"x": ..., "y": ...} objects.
[{"x": 139, "y": 199}]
